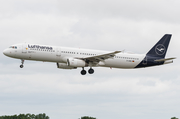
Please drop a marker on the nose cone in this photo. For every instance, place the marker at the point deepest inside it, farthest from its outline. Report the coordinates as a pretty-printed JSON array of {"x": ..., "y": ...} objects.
[{"x": 5, "y": 52}]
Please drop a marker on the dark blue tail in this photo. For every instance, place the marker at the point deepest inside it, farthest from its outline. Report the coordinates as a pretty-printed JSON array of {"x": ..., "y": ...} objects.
[
  {"x": 160, "y": 48},
  {"x": 157, "y": 52}
]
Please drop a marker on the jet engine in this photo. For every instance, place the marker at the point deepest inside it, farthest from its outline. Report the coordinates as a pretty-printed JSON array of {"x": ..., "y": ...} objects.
[
  {"x": 76, "y": 63},
  {"x": 64, "y": 66}
]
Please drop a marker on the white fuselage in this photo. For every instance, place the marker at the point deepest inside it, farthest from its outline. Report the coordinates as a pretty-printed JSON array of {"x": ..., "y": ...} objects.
[{"x": 58, "y": 54}]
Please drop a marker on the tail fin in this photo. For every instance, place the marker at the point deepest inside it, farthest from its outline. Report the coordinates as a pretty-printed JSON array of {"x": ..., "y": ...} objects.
[{"x": 160, "y": 48}]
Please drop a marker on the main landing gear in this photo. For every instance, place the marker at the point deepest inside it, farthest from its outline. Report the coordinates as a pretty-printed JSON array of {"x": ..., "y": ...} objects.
[
  {"x": 22, "y": 61},
  {"x": 90, "y": 71},
  {"x": 83, "y": 72}
]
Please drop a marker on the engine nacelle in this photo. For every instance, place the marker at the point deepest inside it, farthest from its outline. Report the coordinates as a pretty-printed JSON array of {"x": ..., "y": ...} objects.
[
  {"x": 64, "y": 66},
  {"x": 76, "y": 63}
]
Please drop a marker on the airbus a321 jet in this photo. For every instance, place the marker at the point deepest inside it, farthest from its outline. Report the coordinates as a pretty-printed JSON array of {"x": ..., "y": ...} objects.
[{"x": 72, "y": 58}]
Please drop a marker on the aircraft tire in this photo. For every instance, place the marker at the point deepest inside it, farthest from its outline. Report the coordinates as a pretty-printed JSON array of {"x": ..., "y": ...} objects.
[
  {"x": 21, "y": 66},
  {"x": 83, "y": 72},
  {"x": 91, "y": 71}
]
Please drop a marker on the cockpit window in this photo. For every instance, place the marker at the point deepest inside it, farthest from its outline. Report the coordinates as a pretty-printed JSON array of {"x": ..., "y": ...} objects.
[{"x": 14, "y": 47}]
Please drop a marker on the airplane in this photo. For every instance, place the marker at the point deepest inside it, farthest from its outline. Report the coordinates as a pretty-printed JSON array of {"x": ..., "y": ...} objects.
[{"x": 73, "y": 58}]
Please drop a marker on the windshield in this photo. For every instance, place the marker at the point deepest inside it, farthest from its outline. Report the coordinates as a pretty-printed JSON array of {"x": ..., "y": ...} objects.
[{"x": 14, "y": 47}]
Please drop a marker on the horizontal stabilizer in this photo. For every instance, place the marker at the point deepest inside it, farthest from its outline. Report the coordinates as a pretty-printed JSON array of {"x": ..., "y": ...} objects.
[{"x": 161, "y": 60}]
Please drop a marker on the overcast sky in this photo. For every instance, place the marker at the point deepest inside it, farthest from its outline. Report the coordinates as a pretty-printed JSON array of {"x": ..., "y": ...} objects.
[{"x": 130, "y": 25}]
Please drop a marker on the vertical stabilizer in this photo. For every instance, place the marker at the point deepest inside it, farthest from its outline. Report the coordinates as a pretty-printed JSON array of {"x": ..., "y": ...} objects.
[{"x": 160, "y": 48}]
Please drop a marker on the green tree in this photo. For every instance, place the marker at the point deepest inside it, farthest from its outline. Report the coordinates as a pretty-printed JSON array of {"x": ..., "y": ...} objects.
[
  {"x": 26, "y": 116},
  {"x": 86, "y": 117},
  {"x": 15, "y": 117},
  {"x": 174, "y": 118},
  {"x": 33, "y": 116}
]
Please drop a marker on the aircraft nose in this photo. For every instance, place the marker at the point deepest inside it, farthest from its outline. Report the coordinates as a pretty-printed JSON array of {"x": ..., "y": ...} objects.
[{"x": 5, "y": 52}]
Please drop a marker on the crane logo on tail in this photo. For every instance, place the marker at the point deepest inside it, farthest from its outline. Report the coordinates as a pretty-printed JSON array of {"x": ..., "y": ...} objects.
[{"x": 160, "y": 49}]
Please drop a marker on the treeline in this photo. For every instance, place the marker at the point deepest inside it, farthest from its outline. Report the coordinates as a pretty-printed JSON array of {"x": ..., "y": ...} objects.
[
  {"x": 174, "y": 118},
  {"x": 26, "y": 116},
  {"x": 86, "y": 117}
]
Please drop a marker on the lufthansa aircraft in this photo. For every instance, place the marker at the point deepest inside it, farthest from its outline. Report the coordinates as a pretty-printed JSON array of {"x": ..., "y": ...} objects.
[{"x": 72, "y": 58}]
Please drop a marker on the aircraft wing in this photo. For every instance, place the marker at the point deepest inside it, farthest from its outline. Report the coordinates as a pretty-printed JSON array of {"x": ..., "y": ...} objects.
[
  {"x": 161, "y": 60},
  {"x": 98, "y": 58}
]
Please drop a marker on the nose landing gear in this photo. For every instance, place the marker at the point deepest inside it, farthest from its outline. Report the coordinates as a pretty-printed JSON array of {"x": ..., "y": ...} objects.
[{"x": 22, "y": 61}]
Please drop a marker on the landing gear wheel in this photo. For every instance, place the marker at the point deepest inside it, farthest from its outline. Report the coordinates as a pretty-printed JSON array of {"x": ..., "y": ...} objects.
[
  {"x": 91, "y": 71},
  {"x": 83, "y": 72},
  {"x": 21, "y": 66}
]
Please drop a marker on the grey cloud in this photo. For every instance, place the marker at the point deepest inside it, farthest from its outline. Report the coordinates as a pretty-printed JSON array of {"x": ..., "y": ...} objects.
[{"x": 137, "y": 10}]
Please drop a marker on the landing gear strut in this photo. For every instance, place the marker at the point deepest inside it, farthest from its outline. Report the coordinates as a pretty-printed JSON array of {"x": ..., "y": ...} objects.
[{"x": 22, "y": 61}]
